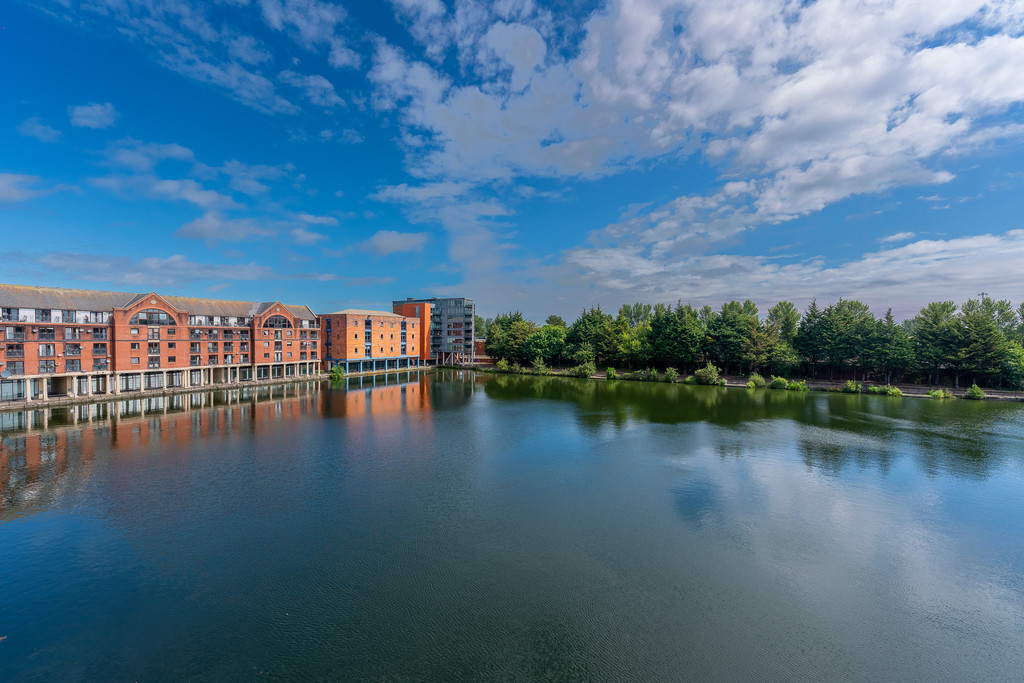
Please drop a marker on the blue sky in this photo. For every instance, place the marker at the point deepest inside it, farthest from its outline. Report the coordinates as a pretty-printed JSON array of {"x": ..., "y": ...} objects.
[{"x": 540, "y": 157}]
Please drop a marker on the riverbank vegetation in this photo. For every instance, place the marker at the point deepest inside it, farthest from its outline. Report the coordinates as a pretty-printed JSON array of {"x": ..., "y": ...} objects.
[{"x": 981, "y": 342}]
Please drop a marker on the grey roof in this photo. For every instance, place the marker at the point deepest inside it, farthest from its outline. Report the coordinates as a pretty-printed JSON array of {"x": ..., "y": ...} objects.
[
  {"x": 58, "y": 298},
  {"x": 364, "y": 312}
]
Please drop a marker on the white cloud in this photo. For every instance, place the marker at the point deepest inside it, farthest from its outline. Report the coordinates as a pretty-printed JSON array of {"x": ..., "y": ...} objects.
[
  {"x": 386, "y": 242},
  {"x": 306, "y": 237},
  {"x": 213, "y": 227},
  {"x": 34, "y": 127},
  {"x": 897, "y": 237},
  {"x": 317, "y": 220},
  {"x": 317, "y": 89},
  {"x": 170, "y": 189},
  {"x": 143, "y": 156},
  {"x": 93, "y": 115},
  {"x": 18, "y": 187}
]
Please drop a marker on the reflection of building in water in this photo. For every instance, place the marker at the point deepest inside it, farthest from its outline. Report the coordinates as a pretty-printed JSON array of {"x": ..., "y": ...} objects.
[
  {"x": 381, "y": 395},
  {"x": 42, "y": 449}
]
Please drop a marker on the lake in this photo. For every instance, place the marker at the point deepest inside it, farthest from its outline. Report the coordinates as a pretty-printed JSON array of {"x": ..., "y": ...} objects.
[{"x": 460, "y": 526}]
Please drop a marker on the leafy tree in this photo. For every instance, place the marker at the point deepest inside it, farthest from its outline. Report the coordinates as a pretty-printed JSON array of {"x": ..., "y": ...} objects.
[
  {"x": 786, "y": 320},
  {"x": 506, "y": 336},
  {"x": 729, "y": 334},
  {"x": 480, "y": 326},
  {"x": 547, "y": 343},
  {"x": 555, "y": 320},
  {"x": 981, "y": 344},
  {"x": 591, "y": 334},
  {"x": 636, "y": 314},
  {"x": 848, "y": 332}
]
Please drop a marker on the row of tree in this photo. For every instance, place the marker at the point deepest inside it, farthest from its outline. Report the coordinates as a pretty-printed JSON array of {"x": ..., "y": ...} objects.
[{"x": 981, "y": 340}]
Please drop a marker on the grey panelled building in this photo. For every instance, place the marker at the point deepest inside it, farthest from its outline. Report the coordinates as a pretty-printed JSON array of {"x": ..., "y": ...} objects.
[{"x": 452, "y": 328}]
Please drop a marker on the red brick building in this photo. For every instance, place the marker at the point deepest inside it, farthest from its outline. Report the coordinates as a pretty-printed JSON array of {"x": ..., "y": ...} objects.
[
  {"x": 61, "y": 342},
  {"x": 365, "y": 341}
]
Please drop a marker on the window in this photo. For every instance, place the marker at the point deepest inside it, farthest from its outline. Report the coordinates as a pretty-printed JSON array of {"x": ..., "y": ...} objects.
[
  {"x": 72, "y": 349},
  {"x": 277, "y": 321},
  {"x": 151, "y": 316},
  {"x": 172, "y": 359},
  {"x": 153, "y": 349},
  {"x": 100, "y": 364},
  {"x": 211, "y": 347},
  {"x": 212, "y": 360},
  {"x": 266, "y": 355},
  {"x": 47, "y": 349},
  {"x": 99, "y": 333},
  {"x": 153, "y": 333},
  {"x": 73, "y": 365},
  {"x": 15, "y": 350},
  {"x": 72, "y": 333},
  {"x": 135, "y": 361},
  {"x": 171, "y": 331},
  {"x": 266, "y": 345},
  {"x": 135, "y": 346},
  {"x": 154, "y": 362},
  {"x": 99, "y": 349},
  {"x": 9, "y": 314},
  {"x": 43, "y": 315},
  {"x": 170, "y": 345},
  {"x": 135, "y": 331},
  {"x": 47, "y": 334},
  {"x": 47, "y": 367}
]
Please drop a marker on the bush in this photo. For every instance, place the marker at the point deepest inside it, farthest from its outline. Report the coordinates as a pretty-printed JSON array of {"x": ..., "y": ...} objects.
[
  {"x": 852, "y": 387},
  {"x": 648, "y": 375},
  {"x": 941, "y": 393},
  {"x": 778, "y": 383},
  {"x": 707, "y": 375},
  {"x": 337, "y": 373},
  {"x": 884, "y": 391},
  {"x": 689, "y": 379},
  {"x": 671, "y": 375},
  {"x": 893, "y": 391},
  {"x": 516, "y": 368},
  {"x": 501, "y": 365},
  {"x": 756, "y": 381},
  {"x": 797, "y": 386},
  {"x": 585, "y": 370},
  {"x": 539, "y": 367},
  {"x": 612, "y": 374},
  {"x": 975, "y": 393}
]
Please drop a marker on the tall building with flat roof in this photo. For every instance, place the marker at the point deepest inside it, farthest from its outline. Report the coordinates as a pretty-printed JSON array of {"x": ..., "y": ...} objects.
[
  {"x": 78, "y": 342},
  {"x": 452, "y": 327},
  {"x": 367, "y": 341}
]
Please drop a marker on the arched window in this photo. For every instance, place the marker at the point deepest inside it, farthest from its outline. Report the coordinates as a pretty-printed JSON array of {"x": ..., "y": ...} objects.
[
  {"x": 151, "y": 316},
  {"x": 277, "y": 321}
]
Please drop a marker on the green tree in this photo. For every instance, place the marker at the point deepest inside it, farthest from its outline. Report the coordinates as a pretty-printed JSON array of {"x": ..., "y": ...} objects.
[
  {"x": 729, "y": 334},
  {"x": 810, "y": 339},
  {"x": 894, "y": 351},
  {"x": 848, "y": 329},
  {"x": 591, "y": 335},
  {"x": 934, "y": 335},
  {"x": 555, "y": 320},
  {"x": 547, "y": 343},
  {"x": 786, "y": 320},
  {"x": 981, "y": 344}
]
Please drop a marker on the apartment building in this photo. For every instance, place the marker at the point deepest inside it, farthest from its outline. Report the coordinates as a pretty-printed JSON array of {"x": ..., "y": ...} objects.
[
  {"x": 73, "y": 342},
  {"x": 452, "y": 327},
  {"x": 366, "y": 341}
]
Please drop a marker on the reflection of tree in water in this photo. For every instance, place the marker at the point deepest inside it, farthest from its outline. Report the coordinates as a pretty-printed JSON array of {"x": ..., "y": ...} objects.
[{"x": 834, "y": 431}]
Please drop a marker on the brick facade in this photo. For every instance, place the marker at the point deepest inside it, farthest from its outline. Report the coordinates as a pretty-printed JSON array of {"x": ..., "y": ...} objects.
[{"x": 363, "y": 341}]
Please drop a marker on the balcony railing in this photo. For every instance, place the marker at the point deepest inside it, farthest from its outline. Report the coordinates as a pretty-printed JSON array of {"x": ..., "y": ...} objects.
[
  {"x": 15, "y": 354},
  {"x": 72, "y": 352},
  {"x": 17, "y": 336},
  {"x": 46, "y": 336}
]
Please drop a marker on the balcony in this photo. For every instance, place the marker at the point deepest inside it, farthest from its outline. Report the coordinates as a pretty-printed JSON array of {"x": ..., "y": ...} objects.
[
  {"x": 72, "y": 351},
  {"x": 46, "y": 336},
  {"x": 100, "y": 365},
  {"x": 17, "y": 336},
  {"x": 15, "y": 354}
]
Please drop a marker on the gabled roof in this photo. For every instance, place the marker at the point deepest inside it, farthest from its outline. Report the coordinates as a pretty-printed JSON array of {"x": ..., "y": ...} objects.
[{"x": 25, "y": 296}]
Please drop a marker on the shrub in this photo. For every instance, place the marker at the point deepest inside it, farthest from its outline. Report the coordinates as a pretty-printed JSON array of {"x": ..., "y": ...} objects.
[
  {"x": 516, "y": 368},
  {"x": 757, "y": 381},
  {"x": 690, "y": 379},
  {"x": 975, "y": 393},
  {"x": 648, "y": 375},
  {"x": 539, "y": 367},
  {"x": 797, "y": 386},
  {"x": 707, "y": 375},
  {"x": 671, "y": 375},
  {"x": 941, "y": 393},
  {"x": 893, "y": 391},
  {"x": 612, "y": 374},
  {"x": 585, "y": 370},
  {"x": 778, "y": 383},
  {"x": 884, "y": 391},
  {"x": 751, "y": 385},
  {"x": 852, "y": 387},
  {"x": 337, "y": 373},
  {"x": 501, "y": 365}
]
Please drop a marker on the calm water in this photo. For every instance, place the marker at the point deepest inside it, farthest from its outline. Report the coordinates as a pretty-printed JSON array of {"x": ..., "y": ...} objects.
[{"x": 452, "y": 527}]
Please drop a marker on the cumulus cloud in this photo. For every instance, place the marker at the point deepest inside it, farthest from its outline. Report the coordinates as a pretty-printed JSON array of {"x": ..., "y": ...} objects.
[
  {"x": 18, "y": 187},
  {"x": 897, "y": 237},
  {"x": 93, "y": 115},
  {"x": 317, "y": 220},
  {"x": 34, "y": 127},
  {"x": 385, "y": 242}
]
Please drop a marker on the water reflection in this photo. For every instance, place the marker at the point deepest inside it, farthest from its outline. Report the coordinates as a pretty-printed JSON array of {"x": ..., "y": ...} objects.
[
  {"x": 838, "y": 431},
  {"x": 44, "y": 451}
]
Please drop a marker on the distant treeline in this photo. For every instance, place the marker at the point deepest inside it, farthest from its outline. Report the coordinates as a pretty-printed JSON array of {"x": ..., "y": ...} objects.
[{"x": 980, "y": 341}]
